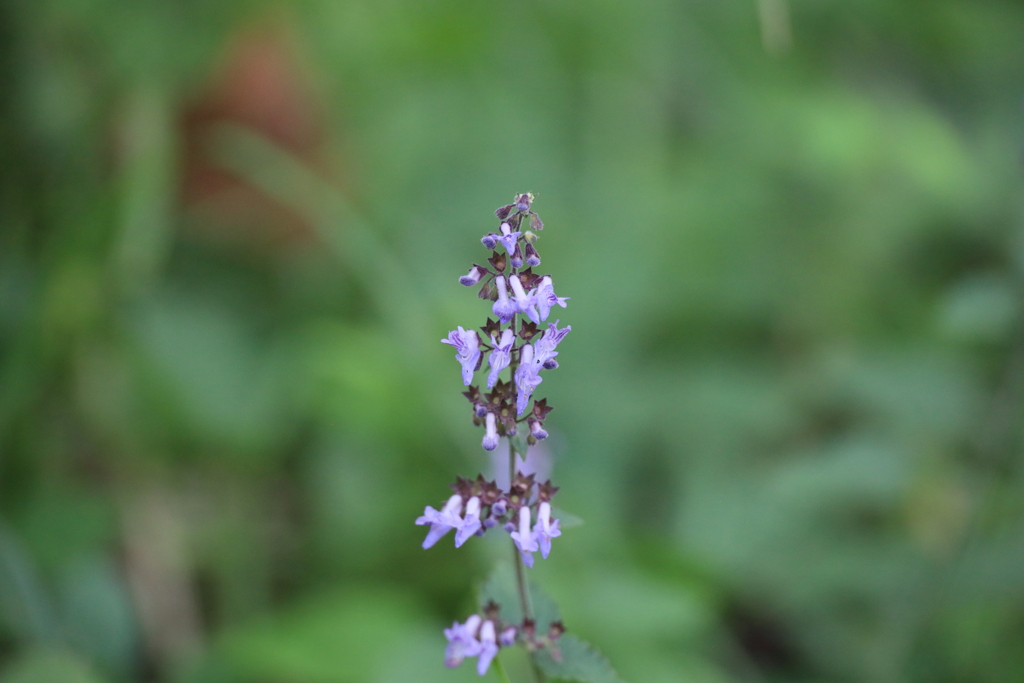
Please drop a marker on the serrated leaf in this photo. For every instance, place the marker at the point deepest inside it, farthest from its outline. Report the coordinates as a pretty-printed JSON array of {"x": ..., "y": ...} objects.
[
  {"x": 580, "y": 661},
  {"x": 501, "y": 588}
]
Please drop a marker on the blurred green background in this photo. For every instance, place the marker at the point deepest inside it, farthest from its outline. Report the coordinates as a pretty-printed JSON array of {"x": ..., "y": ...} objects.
[{"x": 788, "y": 412}]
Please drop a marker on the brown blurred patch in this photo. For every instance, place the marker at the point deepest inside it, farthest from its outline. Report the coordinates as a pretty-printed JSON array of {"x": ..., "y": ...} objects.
[{"x": 263, "y": 84}]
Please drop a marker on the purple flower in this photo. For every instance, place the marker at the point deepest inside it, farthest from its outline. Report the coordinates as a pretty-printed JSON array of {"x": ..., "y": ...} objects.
[
  {"x": 545, "y": 529},
  {"x": 523, "y": 538},
  {"x": 488, "y": 647},
  {"x": 545, "y": 297},
  {"x": 524, "y": 302},
  {"x": 462, "y": 641},
  {"x": 503, "y": 308},
  {"x": 490, "y": 240},
  {"x": 508, "y": 636},
  {"x": 501, "y": 355},
  {"x": 473, "y": 277},
  {"x": 527, "y": 378},
  {"x": 467, "y": 347},
  {"x": 537, "y": 430},
  {"x": 470, "y": 524},
  {"x": 441, "y": 522},
  {"x": 532, "y": 257},
  {"x": 508, "y": 238},
  {"x": 490, "y": 441},
  {"x": 545, "y": 351}
]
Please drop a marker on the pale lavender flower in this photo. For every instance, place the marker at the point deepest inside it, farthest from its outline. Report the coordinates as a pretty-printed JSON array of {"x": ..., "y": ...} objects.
[
  {"x": 508, "y": 238},
  {"x": 462, "y": 641},
  {"x": 524, "y": 302},
  {"x": 507, "y": 637},
  {"x": 503, "y": 308},
  {"x": 523, "y": 538},
  {"x": 467, "y": 347},
  {"x": 470, "y": 524},
  {"x": 441, "y": 522},
  {"x": 500, "y": 357},
  {"x": 527, "y": 378},
  {"x": 474, "y": 275},
  {"x": 545, "y": 529},
  {"x": 545, "y": 346},
  {"x": 488, "y": 647},
  {"x": 545, "y": 297},
  {"x": 490, "y": 441}
]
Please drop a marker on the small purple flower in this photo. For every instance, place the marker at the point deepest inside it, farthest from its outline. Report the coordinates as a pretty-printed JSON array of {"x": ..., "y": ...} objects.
[
  {"x": 524, "y": 302},
  {"x": 523, "y": 538},
  {"x": 441, "y": 522},
  {"x": 490, "y": 441},
  {"x": 503, "y": 308},
  {"x": 545, "y": 529},
  {"x": 537, "y": 430},
  {"x": 488, "y": 647},
  {"x": 470, "y": 524},
  {"x": 508, "y": 238},
  {"x": 532, "y": 257},
  {"x": 473, "y": 277},
  {"x": 507, "y": 637},
  {"x": 501, "y": 355},
  {"x": 545, "y": 297},
  {"x": 467, "y": 347},
  {"x": 462, "y": 641},
  {"x": 545, "y": 351},
  {"x": 490, "y": 240},
  {"x": 527, "y": 378}
]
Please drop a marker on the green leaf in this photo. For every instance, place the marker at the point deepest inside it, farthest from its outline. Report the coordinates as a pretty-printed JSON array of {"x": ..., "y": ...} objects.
[
  {"x": 580, "y": 661},
  {"x": 519, "y": 444},
  {"x": 501, "y": 588}
]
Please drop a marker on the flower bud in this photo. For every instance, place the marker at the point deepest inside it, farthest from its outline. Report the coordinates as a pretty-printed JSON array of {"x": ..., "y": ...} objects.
[
  {"x": 532, "y": 257},
  {"x": 517, "y": 257},
  {"x": 507, "y": 637},
  {"x": 490, "y": 240},
  {"x": 474, "y": 275}
]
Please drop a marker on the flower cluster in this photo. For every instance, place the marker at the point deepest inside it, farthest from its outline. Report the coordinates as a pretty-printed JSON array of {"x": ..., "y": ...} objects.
[
  {"x": 479, "y": 505},
  {"x": 523, "y": 342},
  {"x": 483, "y": 635},
  {"x": 528, "y": 350}
]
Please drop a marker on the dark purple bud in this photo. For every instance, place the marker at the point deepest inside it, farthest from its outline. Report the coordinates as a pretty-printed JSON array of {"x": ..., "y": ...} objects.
[
  {"x": 546, "y": 491},
  {"x": 499, "y": 509},
  {"x": 523, "y": 202},
  {"x": 528, "y": 331},
  {"x": 490, "y": 240},
  {"x": 541, "y": 409},
  {"x": 517, "y": 257},
  {"x": 535, "y": 222},
  {"x": 474, "y": 275},
  {"x": 490, "y": 523},
  {"x": 509, "y": 527},
  {"x": 550, "y": 364},
  {"x": 532, "y": 257},
  {"x": 504, "y": 211},
  {"x": 498, "y": 261},
  {"x": 480, "y": 410}
]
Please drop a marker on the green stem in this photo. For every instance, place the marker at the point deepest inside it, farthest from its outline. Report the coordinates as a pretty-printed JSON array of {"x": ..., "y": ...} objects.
[{"x": 500, "y": 670}]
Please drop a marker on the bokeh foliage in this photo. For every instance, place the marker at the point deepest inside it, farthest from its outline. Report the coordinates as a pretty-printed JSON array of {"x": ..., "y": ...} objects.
[{"x": 788, "y": 410}]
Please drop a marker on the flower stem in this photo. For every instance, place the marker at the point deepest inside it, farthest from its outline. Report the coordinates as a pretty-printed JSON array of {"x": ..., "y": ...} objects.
[{"x": 522, "y": 585}]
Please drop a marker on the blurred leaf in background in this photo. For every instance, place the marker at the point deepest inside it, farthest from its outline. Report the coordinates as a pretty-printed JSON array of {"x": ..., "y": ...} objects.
[{"x": 789, "y": 412}]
